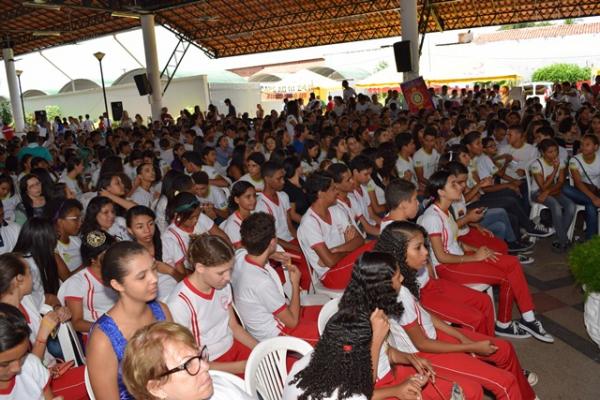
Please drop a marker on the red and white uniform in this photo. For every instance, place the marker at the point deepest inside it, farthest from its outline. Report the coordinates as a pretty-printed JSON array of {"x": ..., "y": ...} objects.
[
  {"x": 231, "y": 226},
  {"x": 96, "y": 299},
  {"x": 205, "y": 315},
  {"x": 70, "y": 253},
  {"x": 473, "y": 236},
  {"x": 360, "y": 203},
  {"x": 278, "y": 208},
  {"x": 175, "y": 241},
  {"x": 413, "y": 314},
  {"x": 439, "y": 223},
  {"x": 29, "y": 383}
]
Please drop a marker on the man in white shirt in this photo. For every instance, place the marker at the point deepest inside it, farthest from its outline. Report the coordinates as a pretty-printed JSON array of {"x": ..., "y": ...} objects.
[
  {"x": 348, "y": 92},
  {"x": 521, "y": 153},
  {"x": 426, "y": 159}
]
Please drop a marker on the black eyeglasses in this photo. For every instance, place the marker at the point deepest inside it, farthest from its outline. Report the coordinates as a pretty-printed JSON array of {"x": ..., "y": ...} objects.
[{"x": 191, "y": 366}]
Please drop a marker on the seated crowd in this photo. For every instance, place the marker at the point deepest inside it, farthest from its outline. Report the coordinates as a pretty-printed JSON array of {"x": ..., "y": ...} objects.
[{"x": 175, "y": 248}]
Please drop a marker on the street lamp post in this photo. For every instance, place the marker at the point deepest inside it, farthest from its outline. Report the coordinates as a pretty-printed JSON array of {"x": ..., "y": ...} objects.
[
  {"x": 19, "y": 72},
  {"x": 99, "y": 56}
]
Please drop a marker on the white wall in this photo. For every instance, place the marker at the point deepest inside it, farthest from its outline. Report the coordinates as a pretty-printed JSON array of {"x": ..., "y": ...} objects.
[
  {"x": 183, "y": 92},
  {"x": 244, "y": 96}
]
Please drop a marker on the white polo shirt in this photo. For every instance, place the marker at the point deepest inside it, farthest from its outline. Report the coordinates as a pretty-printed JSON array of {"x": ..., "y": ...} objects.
[
  {"x": 119, "y": 229},
  {"x": 437, "y": 223},
  {"x": 9, "y": 234},
  {"x": 361, "y": 201},
  {"x": 313, "y": 231},
  {"x": 87, "y": 288},
  {"x": 205, "y": 315},
  {"x": 278, "y": 208},
  {"x": 403, "y": 166},
  {"x": 29, "y": 383},
  {"x": 429, "y": 162},
  {"x": 522, "y": 157},
  {"x": 231, "y": 226},
  {"x": 258, "y": 297},
  {"x": 175, "y": 241},
  {"x": 70, "y": 253},
  {"x": 215, "y": 196},
  {"x": 413, "y": 314},
  {"x": 485, "y": 166},
  {"x": 143, "y": 197}
]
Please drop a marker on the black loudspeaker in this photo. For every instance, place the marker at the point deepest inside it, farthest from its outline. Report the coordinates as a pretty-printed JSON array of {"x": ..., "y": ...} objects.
[
  {"x": 40, "y": 117},
  {"x": 117, "y": 110},
  {"x": 143, "y": 85},
  {"x": 402, "y": 56}
]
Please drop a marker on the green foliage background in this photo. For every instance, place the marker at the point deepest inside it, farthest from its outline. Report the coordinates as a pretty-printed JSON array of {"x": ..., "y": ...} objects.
[
  {"x": 562, "y": 72},
  {"x": 584, "y": 262}
]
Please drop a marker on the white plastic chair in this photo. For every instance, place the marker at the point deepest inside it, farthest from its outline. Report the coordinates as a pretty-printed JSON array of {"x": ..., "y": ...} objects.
[
  {"x": 231, "y": 378},
  {"x": 536, "y": 208},
  {"x": 88, "y": 384},
  {"x": 330, "y": 308},
  {"x": 318, "y": 288},
  {"x": 306, "y": 299},
  {"x": 484, "y": 287},
  {"x": 68, "y": 340},
  {"x": 578, "y": 208},
  {"x": 266, "y": 368}
]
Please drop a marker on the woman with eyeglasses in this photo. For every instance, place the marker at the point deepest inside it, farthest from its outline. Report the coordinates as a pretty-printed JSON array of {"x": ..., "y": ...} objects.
[
  {"x": 130, "y": 270},
  {"x": 162, "y": 361}
]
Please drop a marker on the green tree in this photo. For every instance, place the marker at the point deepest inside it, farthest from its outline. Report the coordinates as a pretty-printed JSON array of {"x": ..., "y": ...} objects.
[
  {"x": 562, "y": 73},
  {"x": 5, "y": 113},
  {"x": 52, "y": 112}
]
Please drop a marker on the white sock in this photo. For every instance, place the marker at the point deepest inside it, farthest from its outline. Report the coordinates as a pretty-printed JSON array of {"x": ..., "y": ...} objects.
[
  {"x": 502, "y": 324},
  {"x": 528, "y": 316}
]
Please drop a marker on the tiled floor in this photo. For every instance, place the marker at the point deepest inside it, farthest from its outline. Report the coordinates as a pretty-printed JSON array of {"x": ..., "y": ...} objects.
[{"x": 569, "y": 369}]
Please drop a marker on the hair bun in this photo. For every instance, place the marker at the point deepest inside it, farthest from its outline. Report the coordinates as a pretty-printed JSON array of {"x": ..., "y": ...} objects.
[{"x": 95, "y": 238}]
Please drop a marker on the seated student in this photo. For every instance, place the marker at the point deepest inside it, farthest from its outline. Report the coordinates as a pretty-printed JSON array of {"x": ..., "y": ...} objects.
[
  {"x": 257, "y": 290},
  {"x": 242, "y": 202},
  {"x": 164, "y": 361},
  {"x": 67, "y": 221},
  {"x": 208, "y": 156},
  {"x": 404, "y": 165},
  {"x": 254, "y": 163},
  {"x": 465, "y": 264},
  {"x": 495, "y": 365},
  {"x": 142, "y": 229},
  {"x": 192, "y": 162},
  {"x": 202, "y": 302},
  {"x": 15, "y": 289},
  {"x": 9, "y": 197},
  {"x": 548, "y": 178},
  {"x": 294, "y": 188},
  {"x": 452, "y": 302},
  {"x": 274, "y": 201},
  {"x": 28, "y": 378},
  {"x": 100, "y": 215},
  {"x": 569, "y": 135},
  {"x": 110, "y": 186},
  {"x": 72, "y": 176},
  {"x": 344, "y": 184},
  {"x": 350, "y": 342},
  {"x": 185, "y": 217},
  {"x": 426, "y": 158},
  {"x": 585, "y": 171},
  {"x": 330, "y": 241},
  {"x": 361, "y": 168},
  {"x": 145, "y": 193},
  {"x": 521, "y": 154},
  {"x": 129, "y": 269},
  {"x": 213, "y": 199},
  {"x": 84, "y": 293},
  {"x": 173, "y": 183},
  {"x": 546, "y": 132},
  {"x": 9, "y": 232}
]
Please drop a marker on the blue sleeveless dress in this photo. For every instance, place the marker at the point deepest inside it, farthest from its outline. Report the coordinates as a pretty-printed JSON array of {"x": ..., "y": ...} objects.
[{"x": 118, "y": 342}]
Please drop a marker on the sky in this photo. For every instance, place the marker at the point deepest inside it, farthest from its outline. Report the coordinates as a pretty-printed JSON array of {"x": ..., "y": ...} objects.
[{"x": 76, "y": 61}]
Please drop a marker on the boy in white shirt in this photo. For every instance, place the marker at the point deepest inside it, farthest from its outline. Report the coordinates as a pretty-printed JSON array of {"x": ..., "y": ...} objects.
[
  {"x": 361, "y": 168},
  {"x": 521, "y": 152},
  {"x": 209, "y": 158},
  {"x": 212, "y": 198},
  {"x": 404, "y": 165},
  {"x": 202, "y": 302},
  {"x": 258, "y": 292},
  {"x": 426, "y": 158}
]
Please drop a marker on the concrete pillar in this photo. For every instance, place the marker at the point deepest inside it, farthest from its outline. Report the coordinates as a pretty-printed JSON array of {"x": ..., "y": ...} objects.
[
  {"x": 13, "y": 88},
  {"x": 152, "y": 68},
  {"x": 410, "y": 31}
]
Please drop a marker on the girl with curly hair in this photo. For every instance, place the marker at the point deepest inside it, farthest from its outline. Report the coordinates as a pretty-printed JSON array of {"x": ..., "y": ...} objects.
[
  {"x": 492, "y": 362},
  {"x": 342, "y": 365}
]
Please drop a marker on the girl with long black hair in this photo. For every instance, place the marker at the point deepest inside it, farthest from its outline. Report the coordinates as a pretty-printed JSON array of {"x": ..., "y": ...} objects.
[
  {"x": 242, "y": 202},
  {"x": 101, "y": 215},
  {"x": 33, "y": 201}
]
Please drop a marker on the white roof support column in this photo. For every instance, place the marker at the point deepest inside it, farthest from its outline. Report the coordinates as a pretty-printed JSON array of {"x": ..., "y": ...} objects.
[
  {"x": 410, "y": 31},
  {"x": 13, "y": 88},
  {"x": 152, "y": 68}
]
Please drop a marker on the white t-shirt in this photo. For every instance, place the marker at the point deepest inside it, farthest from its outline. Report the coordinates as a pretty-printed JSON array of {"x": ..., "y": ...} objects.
[
  {"x": 308, "y": 168},
  {"x": 313, "y": 231},
  {"x": 37, "y": 293},
  {"x": 96, "y": 299},
  {"x": 175, "y": 241},
  {"x": 403, "y": 166},
  {"x": 215, "y": 196},
  {"x": 429, "y": 162},
  {"x": 258, "y": 297},
  {"x": 166, "y": 284},
  {"x": 70, "y": 253},
  {"x": 10, "y": 204},
  {"x": 437, "y": 223},
  {"x": 486, "y": 166},
  {"x": 210, "y": 171},
  {"x": 161, "y": 214},
  {"x": 522, "y": 157},
  {"x": 143, "y": 197},
  {"x": 71, "y": 184},
  {"x": 9, "y": 234},
  {"x": 360, "y": 203},
  {"x": 29, "y": 383},
  {"x": 259, "y": 185},
  {"x": 224, "y": 390},
  {"x": 290, "y": 123},
  {"x": 413, "y": 314},
  {"x": 278, "y": 208},
  {"x": 119, "y": 229},
  {"x": 541, "y": 167},
  {"x": 205, "y": 315},
  {"x": 231, "y": 226},
  {"x": 292, "y": 392},
  {"x": 592, "y": 170}
]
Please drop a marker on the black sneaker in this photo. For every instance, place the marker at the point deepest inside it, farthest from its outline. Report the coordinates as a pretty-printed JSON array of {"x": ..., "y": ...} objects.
[
  {"x": 512, "y": 331},
  {"x": 536, "y": 330},
  {"x": 519, "y": 246},
  {"x": 540, "y": 230},
  {"x": 559, "y": 248}
]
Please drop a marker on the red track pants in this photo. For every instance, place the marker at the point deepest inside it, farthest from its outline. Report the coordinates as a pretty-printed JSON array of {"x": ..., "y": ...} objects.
[
  {"x": 307, "y": 325},
  {"x": 477, "y": 239},
  {"x": 339, "y": 275}
]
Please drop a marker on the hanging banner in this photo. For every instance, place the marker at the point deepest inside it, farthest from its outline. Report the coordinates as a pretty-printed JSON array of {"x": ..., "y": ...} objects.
[{"x": 416, "y": 95}]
